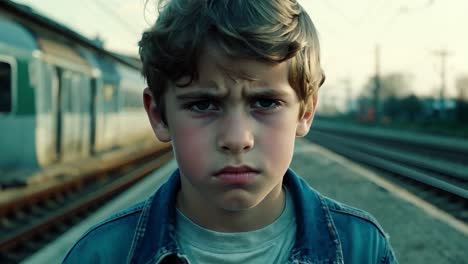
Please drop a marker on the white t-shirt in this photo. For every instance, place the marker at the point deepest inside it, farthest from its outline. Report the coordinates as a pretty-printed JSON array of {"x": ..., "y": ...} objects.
[{"x": 270, "y": 244}]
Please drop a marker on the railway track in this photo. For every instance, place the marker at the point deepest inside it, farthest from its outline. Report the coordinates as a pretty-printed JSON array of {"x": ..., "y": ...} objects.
[
  {"x": 30, "y": 222},
  {"x": 436, "y": 169}
]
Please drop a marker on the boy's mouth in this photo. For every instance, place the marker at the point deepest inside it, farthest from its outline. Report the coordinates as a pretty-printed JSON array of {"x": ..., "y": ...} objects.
[{"x": 236, "y": 174}]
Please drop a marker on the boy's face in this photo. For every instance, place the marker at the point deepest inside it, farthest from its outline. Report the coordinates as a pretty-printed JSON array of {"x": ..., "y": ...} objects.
[{"x": 240, "y": 113}]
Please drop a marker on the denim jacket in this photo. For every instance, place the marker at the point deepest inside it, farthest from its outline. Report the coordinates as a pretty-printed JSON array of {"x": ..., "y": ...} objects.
[{"x": 327, "y": 231}]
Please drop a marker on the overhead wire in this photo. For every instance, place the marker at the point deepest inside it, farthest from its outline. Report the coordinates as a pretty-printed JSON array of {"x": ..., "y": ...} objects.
[
  {"x": 111, "y": 12},
  {"x": 370, "y": 11},
  {"x": 332, "y": 7}
]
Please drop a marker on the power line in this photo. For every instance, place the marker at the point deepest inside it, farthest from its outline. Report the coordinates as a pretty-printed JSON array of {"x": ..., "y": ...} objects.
[
  {"x": 128, "y": 27},
  {"x": 339, "y": 12},
  {"x": 367, "y": 13}
]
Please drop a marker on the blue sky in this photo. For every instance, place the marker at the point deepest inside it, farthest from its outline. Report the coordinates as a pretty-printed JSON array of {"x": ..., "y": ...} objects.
[{"x": 408, "y": 32}]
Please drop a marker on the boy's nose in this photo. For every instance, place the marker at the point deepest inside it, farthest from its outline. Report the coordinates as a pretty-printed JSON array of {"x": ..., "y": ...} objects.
[{"x": 235, "y": 134}]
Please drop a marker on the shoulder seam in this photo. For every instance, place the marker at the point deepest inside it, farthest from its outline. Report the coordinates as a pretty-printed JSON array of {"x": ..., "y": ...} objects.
[
  {"x": 104, "y": 222},
  {"x": 128, "y": 212},
  {"x": 341, "y": 209}
]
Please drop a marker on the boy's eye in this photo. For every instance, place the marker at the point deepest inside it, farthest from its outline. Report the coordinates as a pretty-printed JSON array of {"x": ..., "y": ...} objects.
[
  {"x": 201, "y": 106},
  {"x": 266, "y": 103}
]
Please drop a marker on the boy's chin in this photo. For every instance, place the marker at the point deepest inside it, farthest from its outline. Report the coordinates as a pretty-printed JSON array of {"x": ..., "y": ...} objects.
[
  {"x": 237, "y": 207},
  {"x": 239, "y": 203}
]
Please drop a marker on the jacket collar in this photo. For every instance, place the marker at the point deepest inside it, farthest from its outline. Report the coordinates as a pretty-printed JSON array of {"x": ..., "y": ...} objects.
[
  {"x": 317, "y": 238},
  {"x": 155, "y": 232}
]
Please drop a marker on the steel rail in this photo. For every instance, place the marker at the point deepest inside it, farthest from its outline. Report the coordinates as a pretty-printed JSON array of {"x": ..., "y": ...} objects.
[
  {"x": 431, "y": 165},
  {"x": 39, "y": 226},
  {"x": 390, "y": 161},
  {"x": 445, "y": 147}
]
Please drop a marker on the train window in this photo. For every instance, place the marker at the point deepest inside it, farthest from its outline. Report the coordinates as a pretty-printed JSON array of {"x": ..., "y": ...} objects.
[{"x": 5, "y": 87}]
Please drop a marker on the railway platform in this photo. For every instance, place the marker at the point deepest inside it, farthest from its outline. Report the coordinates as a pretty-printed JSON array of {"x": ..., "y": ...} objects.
[{"x": 419, "y": 232}]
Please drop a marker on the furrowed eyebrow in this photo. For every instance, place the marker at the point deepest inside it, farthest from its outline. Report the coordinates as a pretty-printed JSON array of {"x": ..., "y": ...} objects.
[
  {"x": 214, "y": 96},
  {"x": 200, "y": 94},
  {"x": 268, "y": 93}
]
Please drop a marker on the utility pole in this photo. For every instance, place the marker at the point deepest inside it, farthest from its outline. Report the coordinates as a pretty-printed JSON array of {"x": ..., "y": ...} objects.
[
  {"x": 377, "y": 85},
  {"x": 349, "y": 95},
  {"x": 443, "y": 61}
]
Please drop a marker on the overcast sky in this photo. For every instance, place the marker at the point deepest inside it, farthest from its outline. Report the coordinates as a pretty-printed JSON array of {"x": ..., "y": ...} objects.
[{"x": 408, "y": 33}]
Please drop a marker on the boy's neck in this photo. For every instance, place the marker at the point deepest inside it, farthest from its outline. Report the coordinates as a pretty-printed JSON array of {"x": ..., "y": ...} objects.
[{"x": 217, "y": 219}]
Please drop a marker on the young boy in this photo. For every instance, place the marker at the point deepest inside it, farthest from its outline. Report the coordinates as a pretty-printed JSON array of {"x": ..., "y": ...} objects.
[{"x": 231, "y": 84}]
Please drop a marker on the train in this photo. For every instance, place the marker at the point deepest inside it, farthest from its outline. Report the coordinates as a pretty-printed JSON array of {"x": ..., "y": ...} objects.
[{"x": 63, "y": 97}]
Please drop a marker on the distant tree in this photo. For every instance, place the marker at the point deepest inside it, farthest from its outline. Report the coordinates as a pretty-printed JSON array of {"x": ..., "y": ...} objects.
[
  {"x": 391, "y": 107},
  {"x": 411, "y": 107},
  {"x": 462, "y": 99},
  {"x": 462, "y": 87},
  {"x": 393, "y": 87},
  {"x": 396, "y": 85},
  {"x": 408, "y": 108}
]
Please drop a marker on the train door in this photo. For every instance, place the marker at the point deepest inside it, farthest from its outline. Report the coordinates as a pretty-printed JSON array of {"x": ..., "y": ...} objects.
[
  {"x": 113, "y": 116},
  {"x": 76, "y": 127},
  {"x": 109, "y": 128},
  {"x": 63, "y": 117},
  {"x": 69, "y": 119},
  {"x": 71, "y": 70},
  {"x": 57, "y": 92},
  {"x": 92, "y": 113},
  {"x": 82, "y": 90},
  {"x": 6, "y": 87}
]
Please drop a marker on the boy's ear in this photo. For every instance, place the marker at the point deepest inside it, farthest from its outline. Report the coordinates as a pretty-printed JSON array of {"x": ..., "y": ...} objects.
[
  {"x": 154, "y": 114},
  {"x": 304, "y": 123}
]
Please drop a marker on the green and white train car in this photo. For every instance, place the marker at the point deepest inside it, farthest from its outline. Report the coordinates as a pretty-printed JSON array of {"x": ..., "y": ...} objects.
[{"x": 62, "y": 97}]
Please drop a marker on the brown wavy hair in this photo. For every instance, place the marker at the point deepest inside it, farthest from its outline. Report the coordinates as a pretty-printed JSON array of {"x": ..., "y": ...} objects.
[{"x": 265, "y": 30}]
